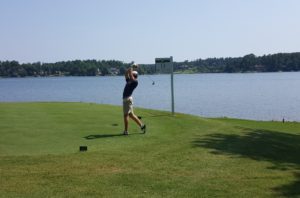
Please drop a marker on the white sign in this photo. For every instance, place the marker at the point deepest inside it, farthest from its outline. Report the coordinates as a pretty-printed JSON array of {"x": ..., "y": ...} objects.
[{"x": 164, "y": 65}]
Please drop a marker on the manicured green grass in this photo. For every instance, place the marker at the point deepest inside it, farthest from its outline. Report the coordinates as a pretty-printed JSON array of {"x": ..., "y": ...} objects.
[{"x": 180, "y": 156}]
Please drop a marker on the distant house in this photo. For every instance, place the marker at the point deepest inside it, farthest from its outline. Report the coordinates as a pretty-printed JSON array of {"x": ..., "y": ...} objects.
[
  {"x": 259, "y": 68},
  {"x": 114, "y": 71},
  {"x": 99, "y": 73},
  {"x": 183, "y": 67}
]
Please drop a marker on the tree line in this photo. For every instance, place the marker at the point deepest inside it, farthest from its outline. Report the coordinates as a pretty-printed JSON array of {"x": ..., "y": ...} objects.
[
  {"x": 248, "y": 63},
  {"x": 63, "y": 68}
]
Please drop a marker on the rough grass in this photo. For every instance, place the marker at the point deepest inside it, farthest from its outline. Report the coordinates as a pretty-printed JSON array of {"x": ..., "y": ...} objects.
[{"x": 180, "y": 156}]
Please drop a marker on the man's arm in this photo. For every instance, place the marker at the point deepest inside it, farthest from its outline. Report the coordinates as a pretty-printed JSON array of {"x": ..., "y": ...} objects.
[{"x": 128, "y": 74}]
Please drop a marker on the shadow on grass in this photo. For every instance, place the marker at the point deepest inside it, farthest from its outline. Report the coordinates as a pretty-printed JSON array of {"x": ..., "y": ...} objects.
[
  {"x": 98, "y": 136},
  {"x": 281, "y": 149},
  {"x": 92, "y": 137},
  {"x": 290, "y": 190}
]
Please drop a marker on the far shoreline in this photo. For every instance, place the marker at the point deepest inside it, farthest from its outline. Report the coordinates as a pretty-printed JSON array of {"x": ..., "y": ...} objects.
[{"x": 175, "y": 73}]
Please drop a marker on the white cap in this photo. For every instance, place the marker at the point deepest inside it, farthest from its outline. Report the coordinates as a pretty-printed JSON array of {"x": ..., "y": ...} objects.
[
  {"x": 135, "y": 73},
  {"x": 134, "y": 65}
]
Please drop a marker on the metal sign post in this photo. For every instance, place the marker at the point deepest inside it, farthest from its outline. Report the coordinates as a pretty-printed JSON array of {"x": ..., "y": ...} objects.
[{"x": 165, "y": 66}]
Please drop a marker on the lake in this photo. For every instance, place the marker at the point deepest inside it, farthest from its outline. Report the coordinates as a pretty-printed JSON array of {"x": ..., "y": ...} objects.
[{"x": 256, "y": 96}]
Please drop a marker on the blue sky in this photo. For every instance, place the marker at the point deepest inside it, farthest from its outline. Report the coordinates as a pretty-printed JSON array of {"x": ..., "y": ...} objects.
[{"x": 141, "y": 30}]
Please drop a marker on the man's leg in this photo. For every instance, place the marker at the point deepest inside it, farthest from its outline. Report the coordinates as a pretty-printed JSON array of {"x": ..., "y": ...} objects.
[
  {"x": 136, "y": 119},
  {"x": 126, "y": 110},
  {"x": 126, "y": 118}
]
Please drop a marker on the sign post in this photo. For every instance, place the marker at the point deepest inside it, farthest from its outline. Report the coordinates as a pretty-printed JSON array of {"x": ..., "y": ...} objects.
[{"x": 165, "y": 66}]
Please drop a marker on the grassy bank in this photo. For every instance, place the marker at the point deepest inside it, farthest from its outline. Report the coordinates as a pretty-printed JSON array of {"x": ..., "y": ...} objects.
[{"x": 180, "y": 156}]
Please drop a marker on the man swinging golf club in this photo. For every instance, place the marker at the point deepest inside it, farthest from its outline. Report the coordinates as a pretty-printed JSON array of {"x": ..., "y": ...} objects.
[{"x": 131, "y": 83}]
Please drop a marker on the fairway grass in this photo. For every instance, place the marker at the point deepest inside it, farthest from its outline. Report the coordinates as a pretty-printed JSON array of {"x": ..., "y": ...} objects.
[{"x": 179, "y": 156}]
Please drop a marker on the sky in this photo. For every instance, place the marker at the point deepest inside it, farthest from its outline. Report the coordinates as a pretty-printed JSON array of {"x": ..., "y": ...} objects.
[{"x": 142, "y": 30}]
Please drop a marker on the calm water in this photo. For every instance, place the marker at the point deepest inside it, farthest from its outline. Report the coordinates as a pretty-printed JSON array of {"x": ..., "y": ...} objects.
[{"x": 258, "y": 96}]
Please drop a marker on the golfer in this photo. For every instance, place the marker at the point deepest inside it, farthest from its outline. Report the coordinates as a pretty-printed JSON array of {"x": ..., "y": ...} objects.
[{"x": 131, "y": 83}]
